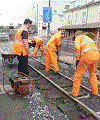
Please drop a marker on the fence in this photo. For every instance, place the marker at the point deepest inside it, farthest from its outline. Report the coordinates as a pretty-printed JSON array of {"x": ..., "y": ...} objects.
[{"x": 68, "y": 47}]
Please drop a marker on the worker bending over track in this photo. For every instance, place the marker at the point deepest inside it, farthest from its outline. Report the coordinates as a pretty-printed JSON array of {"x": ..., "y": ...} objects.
[
  {"x": 51, "y": 47},
  {"x": 87, "y": 56},
  {"x": 39, "y": 44}
]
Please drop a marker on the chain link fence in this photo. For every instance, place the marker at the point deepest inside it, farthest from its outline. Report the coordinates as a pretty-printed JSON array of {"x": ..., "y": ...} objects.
[{"x": 68, "y": 47}]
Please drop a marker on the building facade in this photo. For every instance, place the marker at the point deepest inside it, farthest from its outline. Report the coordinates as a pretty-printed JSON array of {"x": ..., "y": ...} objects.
[
  {"x": 85, "y": 18},
  {"x": 42, "y": 27}
]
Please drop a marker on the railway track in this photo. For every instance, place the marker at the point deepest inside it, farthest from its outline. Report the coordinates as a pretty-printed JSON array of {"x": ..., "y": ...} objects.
[
  {"x": 69, "y": 70},
  {"x": 89, "y": 106}
]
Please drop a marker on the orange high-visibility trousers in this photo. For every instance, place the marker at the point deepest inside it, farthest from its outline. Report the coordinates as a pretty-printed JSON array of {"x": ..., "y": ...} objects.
[
  {"x": 38, "y": 44},
  {"x": 51, "y": 57},
  {"x": 88, "y": 60}
]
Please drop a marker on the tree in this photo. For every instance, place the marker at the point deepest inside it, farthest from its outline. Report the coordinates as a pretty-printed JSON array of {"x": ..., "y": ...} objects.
[{"x": 89, "y": 34}]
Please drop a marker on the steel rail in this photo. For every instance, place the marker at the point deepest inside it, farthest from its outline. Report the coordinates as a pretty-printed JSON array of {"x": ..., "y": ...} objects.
[
  {"x": 94, "y": 114},
  {"x": 84, "y": 87}
]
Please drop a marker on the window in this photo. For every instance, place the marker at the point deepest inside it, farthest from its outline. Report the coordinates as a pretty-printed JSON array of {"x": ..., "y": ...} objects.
[
  {"x": 44, "y": 28},
  {"x": 84, "y": 17},
  {"x": 76, "y": 18},
  {"x": 69, "y": 19},
  {"x": 99, "y": 14}
]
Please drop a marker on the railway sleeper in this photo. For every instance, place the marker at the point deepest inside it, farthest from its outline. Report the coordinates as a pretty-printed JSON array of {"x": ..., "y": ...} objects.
[
  {"x": 64, "y": 86},
  {"x": 85, "y": 108},
  {"x": 69, "y": 109},
  {"x": 56, "y": 100},
  {"x": 43, "y": 87},
  {"x": 85, "y": 111}
]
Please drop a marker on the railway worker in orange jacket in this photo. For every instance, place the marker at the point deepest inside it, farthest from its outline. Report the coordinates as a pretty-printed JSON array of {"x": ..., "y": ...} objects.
[
  {"x": 51, "y": 47},
  {"x": 21, "y": 46},
  {"x": 87, "y": 56},
  {"x": 39, "y": 44}
]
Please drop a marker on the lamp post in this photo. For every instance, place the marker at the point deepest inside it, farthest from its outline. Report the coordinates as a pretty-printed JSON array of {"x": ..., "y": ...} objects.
[
  {"x": 49, "y": 23},
  {"x": 36, "y": 19},
  {"x": 0, "y": 14},
  {"x": 83, "y": 1},
  {"x": 73, "y": 4}
]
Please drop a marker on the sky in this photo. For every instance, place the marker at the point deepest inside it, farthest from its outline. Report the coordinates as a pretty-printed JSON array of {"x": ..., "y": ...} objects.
[{"x": 16, "y": 11}]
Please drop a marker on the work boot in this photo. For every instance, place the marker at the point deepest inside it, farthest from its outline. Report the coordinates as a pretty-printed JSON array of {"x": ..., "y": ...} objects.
[
  {"x": 56, "y": 73},
  {"x": 91, "y": 96},
  {"x": 83, "y": 96},
  {"x": 70, "y": 93}
]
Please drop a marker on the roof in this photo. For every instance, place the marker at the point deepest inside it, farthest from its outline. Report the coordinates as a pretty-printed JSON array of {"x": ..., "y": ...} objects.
[
  {"x": 83, "y": 6},
  {"x": 18, "y": 26},
  {"x": 90, "y": 25}
]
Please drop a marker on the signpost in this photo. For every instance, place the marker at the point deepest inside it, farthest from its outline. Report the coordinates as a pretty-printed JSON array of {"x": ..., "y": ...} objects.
[{"x": 47, "y": 16}]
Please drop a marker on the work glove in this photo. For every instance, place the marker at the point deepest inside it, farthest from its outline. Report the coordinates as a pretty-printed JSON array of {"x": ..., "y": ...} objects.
[
  {"x": 57, "y": 53},
  {"x": 32, "y": 44},
  {"x": 77, "y": 62},
  {"x": 58, "y": 47}
]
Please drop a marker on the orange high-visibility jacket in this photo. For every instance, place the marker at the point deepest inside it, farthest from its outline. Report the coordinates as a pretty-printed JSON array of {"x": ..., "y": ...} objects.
[
  {"x": 18, "y": 44},
  {"x": 83, "y": 43},
  {"x": 37, "y": 38},
  {"x": 54, "y": 41}
]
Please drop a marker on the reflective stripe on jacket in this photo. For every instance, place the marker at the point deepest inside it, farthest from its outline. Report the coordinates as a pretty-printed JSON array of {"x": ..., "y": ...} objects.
[
  {"x": 83, "y": 43},
  {"x": 18, "y": 44}
]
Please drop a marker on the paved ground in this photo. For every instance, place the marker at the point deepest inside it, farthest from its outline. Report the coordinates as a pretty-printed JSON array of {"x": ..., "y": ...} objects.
[{"x": 26, "y": 108}]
